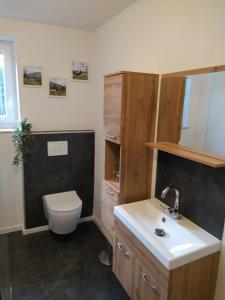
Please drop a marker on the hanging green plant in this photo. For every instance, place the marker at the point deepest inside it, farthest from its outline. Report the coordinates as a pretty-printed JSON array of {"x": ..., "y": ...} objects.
[{"x": 22, "y": 140}]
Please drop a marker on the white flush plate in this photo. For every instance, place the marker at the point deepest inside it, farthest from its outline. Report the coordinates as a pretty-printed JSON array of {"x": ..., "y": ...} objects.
[{"x": 57, "y": 148}]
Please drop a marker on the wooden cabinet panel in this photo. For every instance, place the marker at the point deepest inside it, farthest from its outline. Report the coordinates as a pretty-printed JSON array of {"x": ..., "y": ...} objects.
[
  {"x": 196, "y": 280},
  {"x": 123, "y": 263},
  {"x": 112, "y": 107},
  {"x": 107, "y": 222},
  {"x": 109, "y": 194},
  {"x": 171, "y": 109},
  {"x": 110, "y": 198},
  {"x": 138, "y": 126},
  {"x": 146, "y": 286}
]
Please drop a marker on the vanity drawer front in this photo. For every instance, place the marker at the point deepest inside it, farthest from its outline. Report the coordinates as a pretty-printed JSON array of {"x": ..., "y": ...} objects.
[
  {"x": 147, "y": 286},
  {"x": 123, "y": 264},
  {"x": 108, "y": 222},
  {"x": 109, "y": 195},
  {"x": 109, "y": 200}
]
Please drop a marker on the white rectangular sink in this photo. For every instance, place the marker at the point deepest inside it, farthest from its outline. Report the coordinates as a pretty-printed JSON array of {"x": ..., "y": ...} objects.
[{"x": 183, "y": 242}]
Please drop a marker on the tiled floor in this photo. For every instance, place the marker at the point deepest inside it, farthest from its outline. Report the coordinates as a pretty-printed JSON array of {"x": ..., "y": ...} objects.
[{"x": 45, "y": 267}]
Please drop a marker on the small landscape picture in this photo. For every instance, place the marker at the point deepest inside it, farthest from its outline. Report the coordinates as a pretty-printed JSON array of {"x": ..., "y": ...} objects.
[
  {"x": 80, "y": 71},
  {"x": 57, "y": 87},
  {"x": 32, "y": 76}
]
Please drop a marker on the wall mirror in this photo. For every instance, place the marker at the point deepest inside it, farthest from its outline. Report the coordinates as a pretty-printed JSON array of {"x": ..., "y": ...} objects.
[{"x": 192, "y": 110}]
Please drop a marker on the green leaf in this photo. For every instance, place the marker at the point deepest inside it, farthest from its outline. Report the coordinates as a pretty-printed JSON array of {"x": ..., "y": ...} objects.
[{"x": 22, "y": 140}]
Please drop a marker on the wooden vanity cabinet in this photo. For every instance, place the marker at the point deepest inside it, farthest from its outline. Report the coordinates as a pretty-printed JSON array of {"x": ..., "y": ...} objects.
[
  {"x": 130, "y": 100},
  {"x": 145, "y": 278}
]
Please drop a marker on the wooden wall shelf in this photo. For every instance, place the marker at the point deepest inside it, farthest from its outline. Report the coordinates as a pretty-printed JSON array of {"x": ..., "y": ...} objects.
[{"x": 205, "y": 158}]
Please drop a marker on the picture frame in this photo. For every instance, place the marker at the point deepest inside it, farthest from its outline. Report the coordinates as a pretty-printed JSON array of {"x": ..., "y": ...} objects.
[
  {"x": 57, "y": 87},
  {"x": 80, "y": 71},
  {"x": 32, "y": 76}
]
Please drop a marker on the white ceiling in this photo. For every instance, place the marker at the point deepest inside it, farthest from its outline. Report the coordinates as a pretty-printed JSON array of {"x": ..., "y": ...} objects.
[{"x": 82, "y": 14}]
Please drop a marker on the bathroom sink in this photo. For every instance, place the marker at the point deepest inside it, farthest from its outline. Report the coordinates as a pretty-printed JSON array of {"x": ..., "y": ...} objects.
[{"x": 179, "y": 241}]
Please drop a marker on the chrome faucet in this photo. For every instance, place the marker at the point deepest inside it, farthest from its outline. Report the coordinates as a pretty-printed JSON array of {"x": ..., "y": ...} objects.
[{"x": 174, "y": 211}]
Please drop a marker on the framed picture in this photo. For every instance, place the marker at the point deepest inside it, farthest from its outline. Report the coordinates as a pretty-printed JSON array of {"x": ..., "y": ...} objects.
[
  {"x": 80, "y": 71},
  {"x": 32, "y": 76},
  {"x": 57, "y": 87}
]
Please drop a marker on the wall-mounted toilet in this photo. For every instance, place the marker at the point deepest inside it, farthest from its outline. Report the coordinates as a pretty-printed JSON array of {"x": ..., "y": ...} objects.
[{"x": 62, "y": 211}]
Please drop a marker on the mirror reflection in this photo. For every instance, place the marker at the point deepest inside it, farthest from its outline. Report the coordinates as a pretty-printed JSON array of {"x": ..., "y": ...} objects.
[{"x": 203, "y": 120}]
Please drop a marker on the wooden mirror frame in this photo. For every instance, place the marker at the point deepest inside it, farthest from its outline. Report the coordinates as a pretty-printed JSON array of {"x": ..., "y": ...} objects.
[{"x": 170, "y": 118}]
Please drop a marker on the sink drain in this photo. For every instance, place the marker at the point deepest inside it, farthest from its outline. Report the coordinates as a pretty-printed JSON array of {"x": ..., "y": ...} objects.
[{"x": 160, "y": 232}]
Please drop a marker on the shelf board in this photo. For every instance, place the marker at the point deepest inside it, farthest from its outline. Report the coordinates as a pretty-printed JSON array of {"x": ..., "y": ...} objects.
[
  {"x": 112, "y": 141},
  {"x": 127, "y": 72},
  {"x": 114, "y": 184},
  {"x": 214, "y": 161}
]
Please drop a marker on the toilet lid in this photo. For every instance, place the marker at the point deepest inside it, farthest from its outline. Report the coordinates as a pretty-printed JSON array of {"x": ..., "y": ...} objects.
[{"x": 66, "y": 201}]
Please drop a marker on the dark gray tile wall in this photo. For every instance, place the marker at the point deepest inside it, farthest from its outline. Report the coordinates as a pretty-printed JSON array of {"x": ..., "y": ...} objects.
[
  {"x": 46, "y": 175},
  {"x": 202, "y": 190}
]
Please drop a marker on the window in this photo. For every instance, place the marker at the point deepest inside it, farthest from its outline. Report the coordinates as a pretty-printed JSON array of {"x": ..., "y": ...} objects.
[
  {"x": 185, "y": 119},
  {"x": 9, "y": 112}
]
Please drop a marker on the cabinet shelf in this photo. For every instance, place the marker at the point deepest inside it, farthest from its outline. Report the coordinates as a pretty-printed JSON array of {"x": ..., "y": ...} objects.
[
  {"x": 107, "y": 138},
  {"x": 112, "y": 162},
  {"x": 214, "y": 161},
  {"x": 114, "y": 184}
]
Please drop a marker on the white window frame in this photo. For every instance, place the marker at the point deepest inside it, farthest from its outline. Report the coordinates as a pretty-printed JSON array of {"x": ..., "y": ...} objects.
[{"x": 9, "y": 121}]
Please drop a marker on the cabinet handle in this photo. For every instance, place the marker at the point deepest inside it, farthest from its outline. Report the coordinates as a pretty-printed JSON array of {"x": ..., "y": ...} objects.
[
  {"x": 110, "y": 136},
  {"x": 122, "y": 250},
  {"x": 152, "y": 286},
  {"x": 110, "y": 192}
]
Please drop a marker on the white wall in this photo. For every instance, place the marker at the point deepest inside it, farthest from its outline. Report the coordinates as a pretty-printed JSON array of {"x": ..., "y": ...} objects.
[
  {"x": 53, "y": 48},
  {"x": 158, "y": 36},
  {"x": 11, "y": 187}
]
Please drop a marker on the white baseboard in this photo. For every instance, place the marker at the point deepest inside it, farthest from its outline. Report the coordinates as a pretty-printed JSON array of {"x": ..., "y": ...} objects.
[
  {"x": 97, "y": 222},
  {"x": 10, "y": 229},
  {"x": 35, "y": 229},
  {"x": 46, "y": 227},
  {"x": 86, "y": 219}
]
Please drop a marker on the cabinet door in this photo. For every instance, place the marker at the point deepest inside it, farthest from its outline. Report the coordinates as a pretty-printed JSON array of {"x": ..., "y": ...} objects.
[
  {"x": 123, "y": 263},
  {"x": 146, "y": 286},
  {"x": 112, "y": 107}
]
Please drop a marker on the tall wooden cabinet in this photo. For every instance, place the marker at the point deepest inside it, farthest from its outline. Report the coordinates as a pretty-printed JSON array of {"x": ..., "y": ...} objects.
[{"x": 130, "y": 100}]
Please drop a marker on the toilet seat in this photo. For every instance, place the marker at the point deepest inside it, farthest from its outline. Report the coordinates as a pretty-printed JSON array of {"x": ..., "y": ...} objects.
[{"x": 63, "y": 202}]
